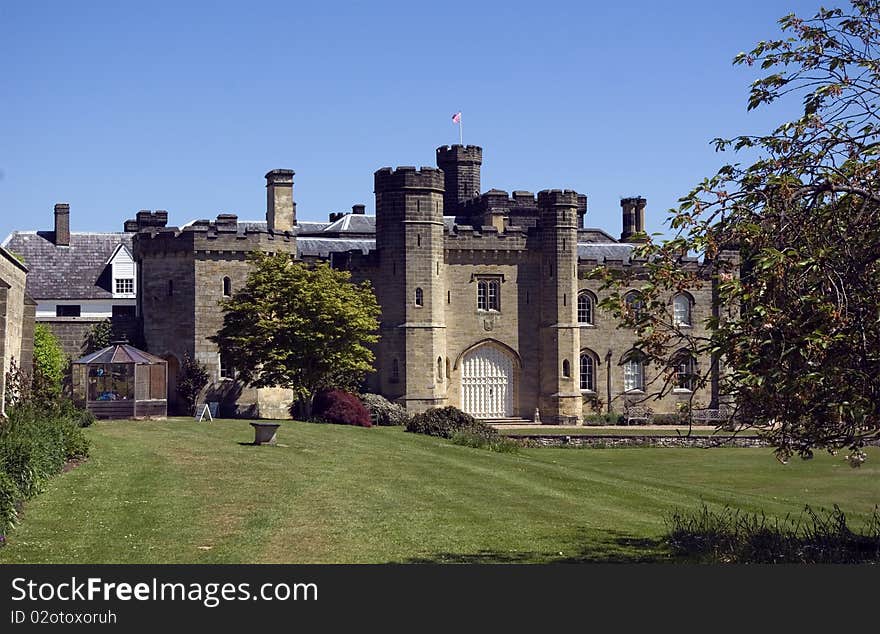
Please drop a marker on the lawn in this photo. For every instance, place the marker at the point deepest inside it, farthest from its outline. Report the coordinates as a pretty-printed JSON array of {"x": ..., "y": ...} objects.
[{"x": 178, "y": 491}]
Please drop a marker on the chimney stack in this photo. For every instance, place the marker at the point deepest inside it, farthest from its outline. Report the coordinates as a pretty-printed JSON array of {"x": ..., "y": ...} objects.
[
  {"x": 62, "y": 225},
  {"x": 633, "y": 218},
  {"x": 358, "y": 210},
  {"x": 280, "y": 208}
]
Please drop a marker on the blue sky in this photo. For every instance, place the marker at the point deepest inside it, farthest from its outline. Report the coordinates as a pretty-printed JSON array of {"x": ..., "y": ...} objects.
[{"x": 116, "y": 107}]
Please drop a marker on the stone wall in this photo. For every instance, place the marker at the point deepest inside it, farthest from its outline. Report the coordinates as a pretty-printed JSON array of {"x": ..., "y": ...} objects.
[
  {"x": 609, "y": 344},
  {"x": 12, "y": 317},
  {"x": 610, "y": 442}
]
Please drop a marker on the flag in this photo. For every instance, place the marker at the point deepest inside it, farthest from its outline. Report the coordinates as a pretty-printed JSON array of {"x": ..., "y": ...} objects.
[{"x": 456, "y": 118}]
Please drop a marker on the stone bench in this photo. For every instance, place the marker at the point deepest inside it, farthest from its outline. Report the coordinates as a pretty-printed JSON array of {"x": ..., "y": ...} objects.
[{"x": 264, "y": 433}]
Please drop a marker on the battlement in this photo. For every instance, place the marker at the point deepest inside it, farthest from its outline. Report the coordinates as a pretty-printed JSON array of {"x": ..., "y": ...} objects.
[
  {"x": 146, "y": 219},
  {"x": 223, "y": 234},
  {"x": 467, "y": 238},
  {"x": 558, "y": 198},
  {"x": 409, "y": 178},
  {"x": 459, "y": 154}
]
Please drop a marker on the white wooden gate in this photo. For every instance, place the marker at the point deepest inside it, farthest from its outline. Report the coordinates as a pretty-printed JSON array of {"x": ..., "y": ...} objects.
[{"x": 487, "y": 383}]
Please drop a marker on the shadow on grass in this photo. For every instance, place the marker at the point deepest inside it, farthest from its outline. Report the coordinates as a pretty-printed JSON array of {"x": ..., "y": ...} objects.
[{"x": 612, "y": 547}]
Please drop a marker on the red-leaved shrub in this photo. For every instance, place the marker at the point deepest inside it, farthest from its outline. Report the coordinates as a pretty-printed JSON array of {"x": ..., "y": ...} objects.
[{"x": 341, "y": 408}]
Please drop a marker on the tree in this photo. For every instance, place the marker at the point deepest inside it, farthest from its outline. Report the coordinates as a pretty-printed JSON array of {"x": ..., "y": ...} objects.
[
  {"x": 792, "y": 241},
  {"x": 191, "y": 381},
  {"x": 50, "y": 363},
  {"x": 306, "y": 328},
  {"x": 98, "y": 336}
]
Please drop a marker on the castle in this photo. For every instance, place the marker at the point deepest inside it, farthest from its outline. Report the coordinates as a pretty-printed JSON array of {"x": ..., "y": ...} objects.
[{"x": 486, "y": 303}]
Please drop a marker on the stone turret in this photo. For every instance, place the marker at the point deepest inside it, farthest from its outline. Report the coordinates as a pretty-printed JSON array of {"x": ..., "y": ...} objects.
[
  {"x": 560, "y": 400},
  {"x": 461, "y": 174},
  {"x": 409, "y": 241}
]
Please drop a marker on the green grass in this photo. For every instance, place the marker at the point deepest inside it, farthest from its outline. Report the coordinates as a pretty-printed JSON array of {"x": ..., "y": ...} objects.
[{"x": 179, "y": 491}]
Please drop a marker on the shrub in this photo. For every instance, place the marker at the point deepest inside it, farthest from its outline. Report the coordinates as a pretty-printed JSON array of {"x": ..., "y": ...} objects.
[
  {"x": 609, "y": 418},
  {"x": 383, "y": 411},
  {"x": 9, "y": 498},
  {"x": 669, "y": 419},
  {"x": 192, "y": 380},
  {"x": 731, "y": 536},
  {"x": 445, "y": 421},
  {"x": 341, "y": 408},
  {"x": 477, "y": 440},
  {"x": 36, "y": 441},
  {"x": 50, "y": 363}
]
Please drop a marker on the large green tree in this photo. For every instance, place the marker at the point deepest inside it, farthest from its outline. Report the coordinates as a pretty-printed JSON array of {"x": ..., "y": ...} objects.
[
  {"x": 799, "y": 341},
  {"x": 301, "y": 327}
]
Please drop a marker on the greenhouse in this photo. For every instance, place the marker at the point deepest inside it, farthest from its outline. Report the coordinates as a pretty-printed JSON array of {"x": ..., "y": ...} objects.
[{"x": 121, "y": 381}]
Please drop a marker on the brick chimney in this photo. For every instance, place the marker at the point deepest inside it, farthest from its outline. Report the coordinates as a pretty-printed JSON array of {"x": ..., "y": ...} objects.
[
  {"x": 280, "y": 208},
  {"x": 358, "y": 210},
  {"x": 62, "y": 225}
]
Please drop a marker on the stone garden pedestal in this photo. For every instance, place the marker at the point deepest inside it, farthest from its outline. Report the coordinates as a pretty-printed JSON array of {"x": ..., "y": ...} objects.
[{"x": 264, "y": 433}]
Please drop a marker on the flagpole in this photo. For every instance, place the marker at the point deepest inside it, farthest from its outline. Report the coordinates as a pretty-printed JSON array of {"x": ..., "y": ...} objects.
[{"x": 460, "y": 134}]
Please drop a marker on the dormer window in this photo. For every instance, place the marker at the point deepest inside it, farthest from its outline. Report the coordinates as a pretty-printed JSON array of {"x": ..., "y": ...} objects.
[{"x": 124, "y": 286}]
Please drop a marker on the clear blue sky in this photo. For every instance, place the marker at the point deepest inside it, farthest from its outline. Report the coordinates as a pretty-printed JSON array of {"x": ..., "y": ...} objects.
[{"x": 184, "y": 106}]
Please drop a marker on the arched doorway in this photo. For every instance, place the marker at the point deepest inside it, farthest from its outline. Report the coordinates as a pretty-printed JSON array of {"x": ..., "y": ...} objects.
[{"x": 487, "y": 382}]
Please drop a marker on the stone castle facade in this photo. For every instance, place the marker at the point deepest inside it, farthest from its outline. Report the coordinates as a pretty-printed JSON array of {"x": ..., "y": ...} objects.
[{"x": 486, "y": 303}]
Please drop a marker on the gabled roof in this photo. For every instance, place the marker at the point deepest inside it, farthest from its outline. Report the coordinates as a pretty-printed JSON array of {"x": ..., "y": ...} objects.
[
  {"x": 78, "y": 271},
  {"x": 116, "y": 251}
]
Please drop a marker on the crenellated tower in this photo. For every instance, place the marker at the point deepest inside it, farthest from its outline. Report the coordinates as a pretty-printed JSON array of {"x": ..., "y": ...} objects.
[
  {"x": 560, "y": 399},
  {"x": 412, "y": 291},
  {"x": 461, "y": 174}
]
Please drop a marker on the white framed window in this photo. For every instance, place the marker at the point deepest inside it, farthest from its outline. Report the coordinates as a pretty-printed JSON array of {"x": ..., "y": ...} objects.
[
  {"x": 489, "y": 294},
  {"x": 585, "y": 308},
  {"x": 634, "y": 374},
  {"x": 681, "y": 310},
  {"x": 587, "y": 372},
  {"x": 124, "y": 285}
]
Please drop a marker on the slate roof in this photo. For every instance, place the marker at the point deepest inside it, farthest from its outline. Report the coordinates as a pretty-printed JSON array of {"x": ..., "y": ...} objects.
[
  {"x": 605, "y": 251},
  {"x": 322, "y": 247},
  {"x": 79, "y": 271},
  {"x": 353, "y": 223}
]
